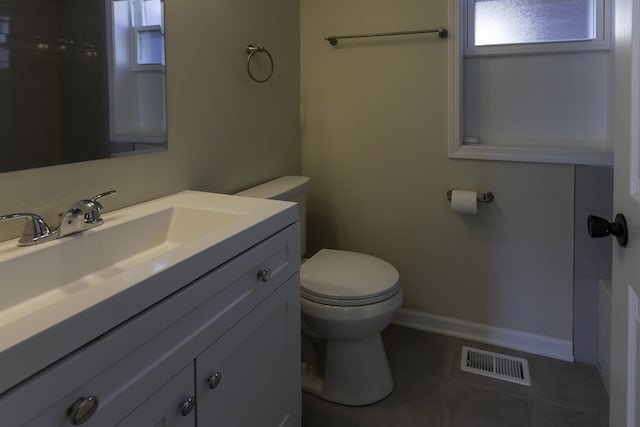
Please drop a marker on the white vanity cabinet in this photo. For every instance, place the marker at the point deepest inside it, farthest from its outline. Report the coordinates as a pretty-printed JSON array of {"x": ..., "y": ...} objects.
[{"x": 241, "y": 320}]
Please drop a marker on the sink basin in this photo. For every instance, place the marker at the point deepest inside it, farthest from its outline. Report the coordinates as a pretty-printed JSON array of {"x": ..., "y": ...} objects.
[
  {"x": 75, "y": 263},
  {"x": 90, "y": 282}
]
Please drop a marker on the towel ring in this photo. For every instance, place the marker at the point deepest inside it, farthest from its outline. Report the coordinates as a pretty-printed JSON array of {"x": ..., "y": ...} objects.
[{"x": 252, "y": 50}]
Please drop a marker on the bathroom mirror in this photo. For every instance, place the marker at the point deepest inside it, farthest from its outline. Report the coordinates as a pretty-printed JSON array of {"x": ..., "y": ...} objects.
[{"x": 80, "y": 80}]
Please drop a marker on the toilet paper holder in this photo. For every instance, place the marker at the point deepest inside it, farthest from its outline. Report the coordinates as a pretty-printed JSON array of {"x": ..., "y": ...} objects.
[{"x": 486, "y": 197}]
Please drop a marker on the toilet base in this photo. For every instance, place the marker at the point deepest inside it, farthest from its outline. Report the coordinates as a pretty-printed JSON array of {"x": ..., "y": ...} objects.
[{"x": 356, "y": 373}]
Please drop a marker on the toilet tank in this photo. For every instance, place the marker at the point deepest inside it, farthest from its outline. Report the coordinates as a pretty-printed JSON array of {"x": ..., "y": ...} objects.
[{"x": 287, "y": 188}]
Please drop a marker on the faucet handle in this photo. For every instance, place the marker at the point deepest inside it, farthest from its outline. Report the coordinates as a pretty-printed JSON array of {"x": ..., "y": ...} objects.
[
  {"x": 35, "y": 229},
  {"x": 101, "y": 195},
  {"x": 91, "y": 208},
  {"x": 82, "y": 215}
]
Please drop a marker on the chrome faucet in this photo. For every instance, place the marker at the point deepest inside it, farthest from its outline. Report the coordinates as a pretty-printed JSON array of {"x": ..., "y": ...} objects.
[
  {"x": 35, "y": 230},
  {"x": 82, "y": 215}
]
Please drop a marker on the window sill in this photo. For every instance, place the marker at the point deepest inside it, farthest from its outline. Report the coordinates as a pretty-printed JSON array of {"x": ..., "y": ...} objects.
[
  {"x": 571, "y": 156},
  {"x": 537, "y": 49},
  {"x": 147, "y": 67},
  {"x": 142, "y": 136}
]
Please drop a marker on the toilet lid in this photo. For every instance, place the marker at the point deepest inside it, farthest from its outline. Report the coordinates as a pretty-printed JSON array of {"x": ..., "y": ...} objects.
[{"x": 347, "y": 278}]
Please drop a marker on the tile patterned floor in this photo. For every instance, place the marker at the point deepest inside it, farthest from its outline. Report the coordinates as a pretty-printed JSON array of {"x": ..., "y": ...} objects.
[{"x": 430, "y": 390}]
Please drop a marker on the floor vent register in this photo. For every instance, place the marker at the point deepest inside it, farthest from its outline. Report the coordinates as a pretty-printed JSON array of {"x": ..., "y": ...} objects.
[{"x": 495, "y": 365}]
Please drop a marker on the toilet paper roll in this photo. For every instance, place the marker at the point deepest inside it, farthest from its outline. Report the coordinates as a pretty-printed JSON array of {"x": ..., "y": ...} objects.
[{"x": 464, "y": 202}]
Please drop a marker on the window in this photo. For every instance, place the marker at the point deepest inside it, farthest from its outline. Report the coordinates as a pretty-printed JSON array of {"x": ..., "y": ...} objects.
[
  {"x": 526, "y": 21},
  {"x": 526, "y": 26},
  {"x": 531, "y": 81},
  {"x": 147, "y": 32},
  {"x": 4, "y": 41},
  {"x": 149, "y": 46},
  {"x": 136, "y": 71}
]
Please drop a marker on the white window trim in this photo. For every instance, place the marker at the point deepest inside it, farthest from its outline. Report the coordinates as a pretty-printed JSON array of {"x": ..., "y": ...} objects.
[{"x": 458, "y": 150}]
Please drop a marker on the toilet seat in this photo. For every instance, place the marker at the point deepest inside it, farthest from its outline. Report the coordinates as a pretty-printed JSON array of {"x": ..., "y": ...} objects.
[{"x": 343, "y": 278}]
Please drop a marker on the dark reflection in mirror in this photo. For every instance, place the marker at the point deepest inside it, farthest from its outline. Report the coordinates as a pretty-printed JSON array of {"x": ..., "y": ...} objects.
[{"x": 80, "y": 80}]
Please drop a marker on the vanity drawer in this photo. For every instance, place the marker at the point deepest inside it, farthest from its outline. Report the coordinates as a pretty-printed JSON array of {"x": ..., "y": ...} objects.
[
  {"x": 129, "y": 363},
  {"x": 173, "y": 405}
]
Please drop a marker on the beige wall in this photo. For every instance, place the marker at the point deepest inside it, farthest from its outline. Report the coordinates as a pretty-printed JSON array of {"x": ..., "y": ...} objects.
[
  {"x": 374, "y": 120},
  {"x": 374, "y": 142},
  {"x": 225, "y": 131}
]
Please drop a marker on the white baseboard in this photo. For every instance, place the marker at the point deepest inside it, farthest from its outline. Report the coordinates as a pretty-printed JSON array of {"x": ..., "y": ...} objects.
[{"x": 508, "y": 338}]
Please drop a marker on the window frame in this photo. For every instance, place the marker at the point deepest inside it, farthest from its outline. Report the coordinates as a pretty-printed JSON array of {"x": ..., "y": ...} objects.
[
  {"x": 135, "y": 51},
  {"x": 600, "y": 156},
  {"x": 140, "y": 26}
]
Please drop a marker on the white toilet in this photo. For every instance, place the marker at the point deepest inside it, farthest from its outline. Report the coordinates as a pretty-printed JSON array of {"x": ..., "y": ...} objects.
[{"x": 347, "y": 299}]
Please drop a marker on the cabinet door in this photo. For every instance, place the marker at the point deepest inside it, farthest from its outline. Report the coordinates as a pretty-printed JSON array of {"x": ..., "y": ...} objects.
[
  {"x": 251, "y": 376},
  {"x": 171, "y": 406}
]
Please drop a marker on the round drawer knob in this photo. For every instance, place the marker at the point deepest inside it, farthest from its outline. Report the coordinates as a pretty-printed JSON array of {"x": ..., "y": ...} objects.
[
  {"x": 264, "y": 274},
  {"x": 83, "y": 409},
  {"x": 214, "y": 380},
  {"x": 187, "y": 406}
]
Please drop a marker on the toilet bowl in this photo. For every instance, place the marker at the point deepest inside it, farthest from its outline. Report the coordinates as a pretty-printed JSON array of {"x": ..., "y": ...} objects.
[{"x": 347, "y": 299}]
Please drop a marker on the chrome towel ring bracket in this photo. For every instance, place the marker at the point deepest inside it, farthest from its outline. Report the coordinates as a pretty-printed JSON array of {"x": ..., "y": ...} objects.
[{"x": 251, "y": 51}]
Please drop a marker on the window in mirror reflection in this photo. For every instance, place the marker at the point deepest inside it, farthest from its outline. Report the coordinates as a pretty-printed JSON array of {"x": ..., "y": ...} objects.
[
  {"x": 137, "y": 74},
  {"x": 4, "y": 36},
  {"x": 148, "y": 32},
  {"x": 149, "y": 46},
  {"x": 152, "y": 12}
]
